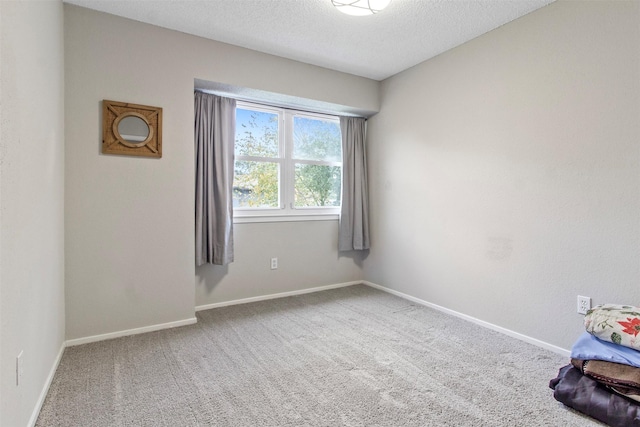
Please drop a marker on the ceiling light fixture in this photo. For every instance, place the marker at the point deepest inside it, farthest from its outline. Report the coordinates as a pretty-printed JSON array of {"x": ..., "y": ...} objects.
[{"x": 360, "y": 7}]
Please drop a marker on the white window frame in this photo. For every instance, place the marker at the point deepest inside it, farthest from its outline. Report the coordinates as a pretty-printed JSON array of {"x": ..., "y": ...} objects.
[{"x": 287, "y": 211}]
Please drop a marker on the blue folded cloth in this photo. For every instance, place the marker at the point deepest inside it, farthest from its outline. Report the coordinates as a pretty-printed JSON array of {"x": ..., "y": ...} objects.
[{"x": 589, "y": 347}]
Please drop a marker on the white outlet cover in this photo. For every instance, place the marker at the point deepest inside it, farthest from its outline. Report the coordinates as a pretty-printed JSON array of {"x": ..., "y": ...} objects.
[
  {"x": 19, "y": 368},
  {"x": 584, "y": 304}
]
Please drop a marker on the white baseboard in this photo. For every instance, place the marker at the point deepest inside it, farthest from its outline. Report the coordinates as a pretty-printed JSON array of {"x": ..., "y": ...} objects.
[
  {"x": 135, "y": 331},
  {"x": 274, "y": 296},
  {"x": 45, "y": 388},
  {"x": 488, "y": 325}
]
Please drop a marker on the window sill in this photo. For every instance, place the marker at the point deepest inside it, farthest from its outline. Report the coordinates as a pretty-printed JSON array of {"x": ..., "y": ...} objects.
[{"x": 243, "y": 219}]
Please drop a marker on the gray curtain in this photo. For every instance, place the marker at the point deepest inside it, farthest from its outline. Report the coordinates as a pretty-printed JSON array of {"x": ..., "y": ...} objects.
[
  {"x": 215, "y": 128},
  {"x": 354, "y": 217}
]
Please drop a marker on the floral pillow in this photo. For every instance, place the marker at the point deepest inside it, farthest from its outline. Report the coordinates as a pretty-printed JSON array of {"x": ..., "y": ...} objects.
[{"x": 619, "y": 324}]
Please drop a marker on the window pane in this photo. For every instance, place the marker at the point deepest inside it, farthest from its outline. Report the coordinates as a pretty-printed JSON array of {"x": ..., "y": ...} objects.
[
  {"x": 255, "y": 185},
  {"x": 316, "y": 139},
  {"x": 317, "y": 185},
  {"x": 256, "y": 133}
]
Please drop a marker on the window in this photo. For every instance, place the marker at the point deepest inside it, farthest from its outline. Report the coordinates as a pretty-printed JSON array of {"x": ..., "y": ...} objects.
[{"x": 287, "y": 163}]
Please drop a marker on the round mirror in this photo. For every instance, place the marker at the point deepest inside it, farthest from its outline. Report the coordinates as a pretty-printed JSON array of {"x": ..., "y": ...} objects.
[{"x": 134, "y": 130}]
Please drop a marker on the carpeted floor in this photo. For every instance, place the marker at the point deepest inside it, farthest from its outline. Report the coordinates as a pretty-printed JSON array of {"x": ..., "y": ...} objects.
[{"x": 352, "y": 356}]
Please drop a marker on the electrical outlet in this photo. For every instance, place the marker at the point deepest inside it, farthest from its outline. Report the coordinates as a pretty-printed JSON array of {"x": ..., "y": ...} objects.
[
  {"x": 274, "y": 263},
  {"x": 584, "y": 304},
  {"x": 19, "y": 368}
]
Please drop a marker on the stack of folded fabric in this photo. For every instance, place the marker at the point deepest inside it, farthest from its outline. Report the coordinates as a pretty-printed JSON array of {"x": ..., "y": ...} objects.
[{"x": 603, "y": 379}]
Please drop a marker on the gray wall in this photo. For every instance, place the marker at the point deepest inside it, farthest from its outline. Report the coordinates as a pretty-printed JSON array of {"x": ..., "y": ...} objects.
[
  {"x": 505, "y": 174},
  {"x": 31, "y": 202},
  {"x": 307, "y": 255},
  {"x": 129, "y": 221}
]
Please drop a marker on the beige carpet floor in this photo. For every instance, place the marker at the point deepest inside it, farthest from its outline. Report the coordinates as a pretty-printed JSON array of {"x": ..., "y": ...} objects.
[{"x": 352, "y": 356}]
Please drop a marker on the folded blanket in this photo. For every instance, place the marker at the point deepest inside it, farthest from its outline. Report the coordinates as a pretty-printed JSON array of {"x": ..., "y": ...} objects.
[
  {"x": 619, "y": 324},
  {"x": 587, "y": 396},
  {"x": 622, "y": 379},
  {"x": 588, "y": 347}
]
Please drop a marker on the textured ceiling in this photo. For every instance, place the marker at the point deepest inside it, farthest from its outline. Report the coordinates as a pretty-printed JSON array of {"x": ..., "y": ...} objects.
[{"x": 313, "y": 31}]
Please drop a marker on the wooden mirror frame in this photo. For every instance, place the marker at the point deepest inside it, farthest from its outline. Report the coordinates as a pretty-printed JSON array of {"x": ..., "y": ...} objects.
[{"x": 113, "y": 143}]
